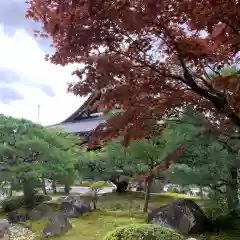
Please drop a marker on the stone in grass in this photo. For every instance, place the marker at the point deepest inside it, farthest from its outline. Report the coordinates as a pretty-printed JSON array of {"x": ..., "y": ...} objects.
[
  {"x": 16, "y": 217},
  {"x": 4, "y": 225},
  {"x": 75, "y": 207},
  {"x": 183, "y": 215},
  {"x": 40, "y": 211},
  {"x": 58, "y": 224}
]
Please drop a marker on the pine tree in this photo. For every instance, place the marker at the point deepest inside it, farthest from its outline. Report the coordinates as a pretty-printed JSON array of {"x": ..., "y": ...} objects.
[
  {"x": 30, "y": 152},
  {"x": 210, "y": 160}
]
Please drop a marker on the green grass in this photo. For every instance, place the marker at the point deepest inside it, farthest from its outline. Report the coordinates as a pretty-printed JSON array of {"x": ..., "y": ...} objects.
[
  {"x": 114, "y": 211},
  {"x": 94, "y": 226},
  {"x": 88, "y": 183}
]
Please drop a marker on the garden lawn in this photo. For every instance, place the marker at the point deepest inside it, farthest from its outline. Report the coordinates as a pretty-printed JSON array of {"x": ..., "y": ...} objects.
[
  {"x": 115, "y": 211},
  {"x": 94, "y": 226}
]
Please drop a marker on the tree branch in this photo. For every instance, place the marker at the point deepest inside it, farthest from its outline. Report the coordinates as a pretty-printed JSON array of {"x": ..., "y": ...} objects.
[
  {"x": 228, "y": 147},
  {"x": 216, "y": 187}
]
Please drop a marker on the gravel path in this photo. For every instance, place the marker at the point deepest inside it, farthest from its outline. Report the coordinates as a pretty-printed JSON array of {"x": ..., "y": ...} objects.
[
  {"x": 19, "y": 232},
  {"x": 79, "y": 190}
]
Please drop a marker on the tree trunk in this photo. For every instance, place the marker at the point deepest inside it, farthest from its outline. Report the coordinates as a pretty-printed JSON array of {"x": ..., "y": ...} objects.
[
  {"x": 28, "y": 194},
  {"x": 232, "y": 189},
  {"x": 201, "y": 192},
  {"x": 54, "y": 187},
  {"x": 149, "y": 181},
  {"x": 67, "y": 188},
  {"x": 94, "y": 198},
  {"x": 44, "y": 186},
  {"x": 121, "y": 187},
  {"x": 94, "y": 204},
  {"x": 10, "y": 190}
]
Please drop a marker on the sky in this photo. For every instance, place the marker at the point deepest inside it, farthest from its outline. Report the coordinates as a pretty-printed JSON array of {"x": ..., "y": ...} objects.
[{"x": 26, "y": 79}]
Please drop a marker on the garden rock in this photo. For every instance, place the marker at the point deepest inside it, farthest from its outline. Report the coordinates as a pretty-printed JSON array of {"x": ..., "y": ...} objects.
[
  {"x": 58, "y": 224},
  {"x": 4, "y": 225},
  {"x": 74, "y": 207},
  {"x": 16, "y": 217},
  {"x": 183, "y": 215},
  {"x": 40, "y": 211}
]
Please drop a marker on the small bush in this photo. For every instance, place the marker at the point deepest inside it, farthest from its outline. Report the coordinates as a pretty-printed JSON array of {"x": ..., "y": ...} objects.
[
  {"x": 87, "y": 183},
  {"x": 229, "y": 220},
  {"x": 95, "y": 189},
  {"x": 143, "y": 232},
  {"x": 14, "y": 203},
  {"x": 39, "y": 198},
  {"x": 173, "y": 189},
  {"x": 214, "y": 207}
]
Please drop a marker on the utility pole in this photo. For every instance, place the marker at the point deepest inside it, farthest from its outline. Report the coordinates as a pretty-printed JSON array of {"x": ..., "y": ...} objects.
[{"x": 38, "y": 114}]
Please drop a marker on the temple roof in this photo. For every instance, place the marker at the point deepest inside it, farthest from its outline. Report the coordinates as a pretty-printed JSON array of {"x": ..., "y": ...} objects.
[
  {"x": 86, "y": 106},
  {"x": 84, "y": 119},
  {"x": 81, "y": 126}
]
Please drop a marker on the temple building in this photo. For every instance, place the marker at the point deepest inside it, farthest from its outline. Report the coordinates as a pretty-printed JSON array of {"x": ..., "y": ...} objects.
[{"x": 85, "y": 119}]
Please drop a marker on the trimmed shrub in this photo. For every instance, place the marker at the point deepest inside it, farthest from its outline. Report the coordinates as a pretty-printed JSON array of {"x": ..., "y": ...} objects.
[
  {"x": 143, "y": 232},
  {"x": 215, "y": 206},
  {"x": 14, "y": 203},
  {"x": 39, "y": 198}
]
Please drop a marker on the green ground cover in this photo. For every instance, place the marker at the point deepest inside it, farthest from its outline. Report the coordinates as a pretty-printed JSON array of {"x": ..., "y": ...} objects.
[{"x": 115, "y": 211}]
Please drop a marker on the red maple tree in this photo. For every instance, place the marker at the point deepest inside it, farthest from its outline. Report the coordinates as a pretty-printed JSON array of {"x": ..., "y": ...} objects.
[{"x": 147, "y": 57}]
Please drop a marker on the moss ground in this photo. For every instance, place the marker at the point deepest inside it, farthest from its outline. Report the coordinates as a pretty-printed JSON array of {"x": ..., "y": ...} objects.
[{"x": 114, "y": 211}]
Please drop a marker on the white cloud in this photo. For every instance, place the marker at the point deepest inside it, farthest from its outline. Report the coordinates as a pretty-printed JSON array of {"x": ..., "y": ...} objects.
[{"x": 20, "y": 53}]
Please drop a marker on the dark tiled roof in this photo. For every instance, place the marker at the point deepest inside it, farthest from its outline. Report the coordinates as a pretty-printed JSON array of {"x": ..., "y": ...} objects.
[
  {"x": 85, "y": 106},
  {"x": 85, "y": 125},
  {"x": 76, "y": 123}
]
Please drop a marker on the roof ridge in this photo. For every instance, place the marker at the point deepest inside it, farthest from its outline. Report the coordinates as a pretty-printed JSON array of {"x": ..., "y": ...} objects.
[{"x": 90, "y": 101}]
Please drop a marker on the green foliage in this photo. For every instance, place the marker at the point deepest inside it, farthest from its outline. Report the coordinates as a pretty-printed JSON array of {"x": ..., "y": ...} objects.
[
  {"x": 102, "y": 164},
  {"x": 144, "y": 154},
  {"x": 113, "y": 213},
  {"x": 221, "y": 236},
  {"x": 119, "y": 158},
  {"x": 93, "y": 165},
  {"x": 227, "y": 71},
  {"x": 228, "y": 221},
  {"x": 29, "y": 151},
  {"x": 141, "y": 155},
  {"x": 215, "y": 206},
  {"x": 143, "y": 232},
  {"x": 14, "y": 203},
  {"x": 87, "y": 183},
  {"x": 95, "y": 188},
  {"x": 209, "y": 157},
  {"x": 97, "y": 185},
  {"x": 172, "y": 189}
]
